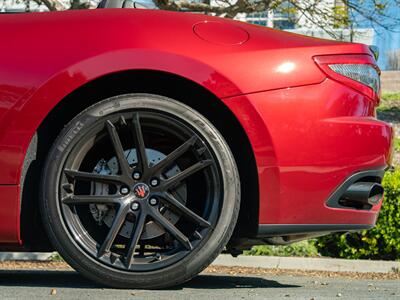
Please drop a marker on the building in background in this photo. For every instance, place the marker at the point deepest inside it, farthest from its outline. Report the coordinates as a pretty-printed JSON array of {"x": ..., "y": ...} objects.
[
  {"x": 11, "y": 6},
  {"x": 19, "y": 6}
]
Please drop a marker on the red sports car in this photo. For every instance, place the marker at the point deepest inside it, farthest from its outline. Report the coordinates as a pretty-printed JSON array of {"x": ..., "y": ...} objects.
[{"x": 139, "y": 144}]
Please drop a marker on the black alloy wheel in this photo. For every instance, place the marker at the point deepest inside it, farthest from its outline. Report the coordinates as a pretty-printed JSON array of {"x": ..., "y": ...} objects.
[{"x": 137, "y": 188}]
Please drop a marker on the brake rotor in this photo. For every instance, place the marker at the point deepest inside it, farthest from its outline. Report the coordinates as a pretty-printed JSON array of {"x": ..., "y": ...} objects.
[{"x": 105, "y": 214}]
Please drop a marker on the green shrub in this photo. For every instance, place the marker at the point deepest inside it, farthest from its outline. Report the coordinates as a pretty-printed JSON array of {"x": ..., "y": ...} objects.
[
  {"x": 381, "y": 242},
  {"x": 303, "y": 248},
  {"x": 396, "y": 143},
  {"x": 389, "y": 103},
  {"x": 390, "y": 96},
  {"x": 56, "y": 257}
]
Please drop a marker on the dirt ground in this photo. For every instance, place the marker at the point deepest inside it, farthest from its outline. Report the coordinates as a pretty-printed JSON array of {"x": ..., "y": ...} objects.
[{"x": 213, "y": 269}]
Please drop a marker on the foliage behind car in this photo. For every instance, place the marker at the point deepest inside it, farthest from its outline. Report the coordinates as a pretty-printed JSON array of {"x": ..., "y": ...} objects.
[{"x": 381, "y": 242}]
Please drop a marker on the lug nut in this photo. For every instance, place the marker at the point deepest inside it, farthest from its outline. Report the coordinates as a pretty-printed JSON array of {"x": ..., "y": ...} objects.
[
  {"x": 135, "y": 206},
  {"x": 154, "y": 182},
  {"x": 153, "y": 201},
  {"x": 136, "y": 175},
  {"x": 124, "y": 190}
]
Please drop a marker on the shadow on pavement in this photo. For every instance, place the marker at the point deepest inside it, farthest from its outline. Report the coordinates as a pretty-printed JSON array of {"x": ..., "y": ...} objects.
[
  {"x": 71, "y": 279},
  {"x": 233, "y": 282},
  {"x": 39, "y": 278}
]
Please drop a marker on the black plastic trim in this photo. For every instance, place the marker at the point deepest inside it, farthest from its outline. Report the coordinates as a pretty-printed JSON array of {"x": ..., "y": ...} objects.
[
  {"x": 333, "y": 200},
  {"x": 295, "y": 229}
]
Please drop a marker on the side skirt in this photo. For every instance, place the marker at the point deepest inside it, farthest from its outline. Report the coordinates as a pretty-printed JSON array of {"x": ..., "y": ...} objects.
[{"x": 271, "y": 230}]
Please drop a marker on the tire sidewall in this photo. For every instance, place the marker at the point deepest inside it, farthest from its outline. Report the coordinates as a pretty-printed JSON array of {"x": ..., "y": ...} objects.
[{"x": 191, "y": 264}]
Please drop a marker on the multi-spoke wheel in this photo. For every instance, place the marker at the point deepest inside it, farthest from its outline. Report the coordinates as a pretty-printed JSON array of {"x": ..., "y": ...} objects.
[{"x": 140, "y": 191}]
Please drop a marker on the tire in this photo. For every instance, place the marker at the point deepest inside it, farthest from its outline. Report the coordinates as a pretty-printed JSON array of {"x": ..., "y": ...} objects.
[{"x": 116, "y": 222}]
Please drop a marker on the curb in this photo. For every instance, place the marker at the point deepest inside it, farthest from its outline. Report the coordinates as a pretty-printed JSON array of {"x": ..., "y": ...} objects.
[
  {"x": 39, "y": 256},
  {"x": 309, "y": 263},
  {"x": 265, "y": 262}
]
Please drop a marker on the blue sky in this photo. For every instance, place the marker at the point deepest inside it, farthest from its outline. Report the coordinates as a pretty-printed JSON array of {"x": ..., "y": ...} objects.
[{"x": 386, "y": 40}]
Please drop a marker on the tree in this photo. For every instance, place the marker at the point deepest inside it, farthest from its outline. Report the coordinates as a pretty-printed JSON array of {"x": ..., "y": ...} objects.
[
  {"x": 54, "y": 5},
  {"x": 316, "y": 12}
]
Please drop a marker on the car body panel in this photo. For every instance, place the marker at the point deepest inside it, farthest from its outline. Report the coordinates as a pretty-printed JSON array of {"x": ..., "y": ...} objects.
[
  {"x": 9, "y": 214},
  {"x": 266, "y": 80},
  {"x": 304, "y": 154}
]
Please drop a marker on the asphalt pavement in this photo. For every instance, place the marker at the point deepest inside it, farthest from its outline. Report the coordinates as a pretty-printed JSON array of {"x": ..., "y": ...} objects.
[{"x": 39, "y": 284}]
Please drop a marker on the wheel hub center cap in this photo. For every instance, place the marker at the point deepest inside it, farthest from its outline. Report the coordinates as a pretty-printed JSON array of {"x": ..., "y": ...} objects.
[{"x": 141, "y": 190}]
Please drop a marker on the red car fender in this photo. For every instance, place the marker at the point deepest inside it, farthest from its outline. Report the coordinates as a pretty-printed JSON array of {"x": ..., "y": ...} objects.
[{"x": 49, "y": 94}]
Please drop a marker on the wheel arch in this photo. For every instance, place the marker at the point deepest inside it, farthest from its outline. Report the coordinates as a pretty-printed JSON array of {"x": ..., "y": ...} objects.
[{"x": 138, "y": 81}]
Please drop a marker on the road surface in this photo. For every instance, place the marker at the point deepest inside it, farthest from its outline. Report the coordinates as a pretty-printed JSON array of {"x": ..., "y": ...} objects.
[{"x": 39, "y": 284}]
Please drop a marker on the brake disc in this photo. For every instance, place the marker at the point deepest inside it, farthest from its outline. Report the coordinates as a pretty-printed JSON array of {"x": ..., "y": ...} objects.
[{"x": 105, "y": 214}]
